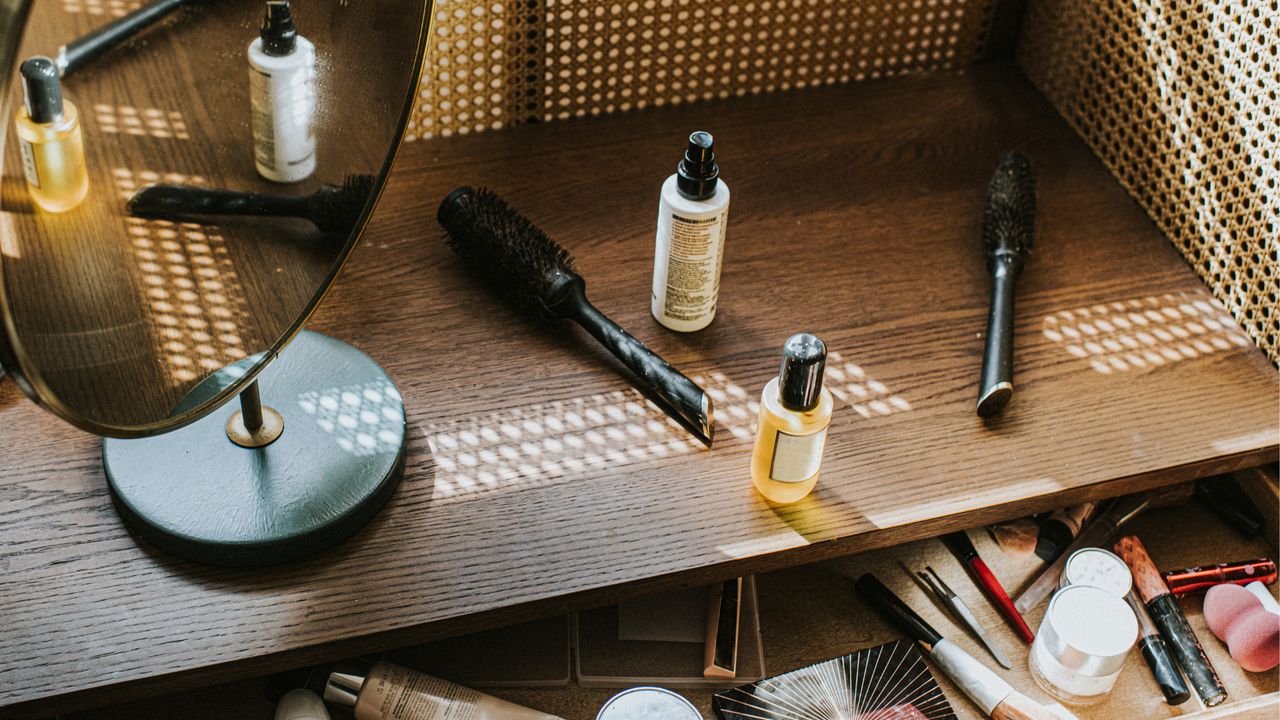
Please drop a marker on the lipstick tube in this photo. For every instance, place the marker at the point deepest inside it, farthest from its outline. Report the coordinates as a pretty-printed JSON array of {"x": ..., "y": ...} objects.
[
  {"x": 1173, "y": 625},
  {"x": 1156, "y": 653},
  {"x": 1192, "y": 580}
]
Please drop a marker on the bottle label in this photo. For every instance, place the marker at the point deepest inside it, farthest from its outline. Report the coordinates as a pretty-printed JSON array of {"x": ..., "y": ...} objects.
[
  {"x": 283, "y": 104},
  {"x": 796, "y": 457},
  {"x": 264, "y": 130},
  {"x": 29, "y": 167},
  {"x": 693, "y": 271}
]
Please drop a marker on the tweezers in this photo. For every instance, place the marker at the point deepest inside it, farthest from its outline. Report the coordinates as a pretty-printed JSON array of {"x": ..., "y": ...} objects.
[{"x": 963, "y": 614}]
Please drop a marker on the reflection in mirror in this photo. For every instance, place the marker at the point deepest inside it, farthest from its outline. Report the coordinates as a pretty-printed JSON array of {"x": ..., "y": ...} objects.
[{"x": 181, "y": 182}]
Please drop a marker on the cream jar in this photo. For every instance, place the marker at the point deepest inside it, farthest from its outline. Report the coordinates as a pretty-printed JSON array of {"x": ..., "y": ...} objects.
[
  {"x": 648, "y": 703},
  {"x": 1084, "y": 639}
]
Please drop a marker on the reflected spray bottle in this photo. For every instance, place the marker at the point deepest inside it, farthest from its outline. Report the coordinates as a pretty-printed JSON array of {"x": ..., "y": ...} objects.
[
  {"x": 282, "y": 94},
  {"x": 795, "y": 411},
  {"x": 50, "y": 140}
]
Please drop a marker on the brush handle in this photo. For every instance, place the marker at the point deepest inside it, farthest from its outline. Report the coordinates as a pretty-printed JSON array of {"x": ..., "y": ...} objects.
[
  {"x": 1020, "y": 707},
  {"x": 84, "y": 50},
  {"x": 168, "y": 201},
  {"x": 898, "y": 613},
  {"x": 690, "y": 403},
  {"x": 997, "y": 360}
]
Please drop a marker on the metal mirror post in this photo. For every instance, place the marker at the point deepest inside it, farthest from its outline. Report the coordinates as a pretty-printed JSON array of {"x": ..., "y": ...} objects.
[{"x": 181, "y": 185}]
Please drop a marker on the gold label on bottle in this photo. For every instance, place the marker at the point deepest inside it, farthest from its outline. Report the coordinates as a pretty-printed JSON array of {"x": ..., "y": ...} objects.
[
  {"x": 796, "y": 457},
  {"x": 29, "y": 167}
]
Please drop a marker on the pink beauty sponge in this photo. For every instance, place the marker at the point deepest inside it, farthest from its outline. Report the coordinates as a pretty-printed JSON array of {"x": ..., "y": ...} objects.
[{"x": 1238, "y": 619}]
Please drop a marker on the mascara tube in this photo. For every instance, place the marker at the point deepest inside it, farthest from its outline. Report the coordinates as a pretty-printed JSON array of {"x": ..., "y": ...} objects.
[
  {"x": 1173, "y": 625},
  {"x": 1156, "y": 653}
]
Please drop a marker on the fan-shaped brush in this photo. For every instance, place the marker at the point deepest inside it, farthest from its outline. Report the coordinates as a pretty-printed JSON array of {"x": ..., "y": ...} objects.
[
  {"x": 333, "y": 209},
  {"x": 888, "y": 682},
  {"x": 537, "y": 276},
  {"x": 1008, "y": 229}
]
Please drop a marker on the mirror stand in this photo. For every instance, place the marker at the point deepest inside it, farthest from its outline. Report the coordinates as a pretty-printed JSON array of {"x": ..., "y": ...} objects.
[{"x": 245, "y": 487}]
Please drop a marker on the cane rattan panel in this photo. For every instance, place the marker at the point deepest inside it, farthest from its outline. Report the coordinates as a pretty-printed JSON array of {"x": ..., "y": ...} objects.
[
  {"x": 510, "y": 61},
  {"x": 1181, "y": 99}
]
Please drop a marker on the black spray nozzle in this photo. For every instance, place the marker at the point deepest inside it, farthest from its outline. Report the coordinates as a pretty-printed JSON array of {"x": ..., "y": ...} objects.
[
  {"x": 279, "y": 36},
  {"x": 697, "y": 174},
  {"x": 41, "y": 89}
]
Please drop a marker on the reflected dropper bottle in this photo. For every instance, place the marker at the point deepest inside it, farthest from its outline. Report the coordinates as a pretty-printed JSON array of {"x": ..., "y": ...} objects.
[{"x": 49, "y": 137}]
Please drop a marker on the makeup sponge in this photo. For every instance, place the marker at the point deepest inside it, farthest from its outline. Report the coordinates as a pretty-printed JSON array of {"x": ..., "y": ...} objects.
[{"x": 1238, "y": 618}]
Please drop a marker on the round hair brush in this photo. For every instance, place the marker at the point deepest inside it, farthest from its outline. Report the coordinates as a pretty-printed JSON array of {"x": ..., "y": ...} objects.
[
  {"x": 333, "y": 209},
  {"x": 535, "y": 275},
  {"x": 1008, "y": 230}
]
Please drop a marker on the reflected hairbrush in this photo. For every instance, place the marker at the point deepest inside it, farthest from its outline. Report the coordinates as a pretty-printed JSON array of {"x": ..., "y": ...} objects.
[
  {"x": 537, "y": 276},
  {"x": 333, "y": 208},
  {"x": 85, "y": 49},
  {"x": 1008, "y": 230}
]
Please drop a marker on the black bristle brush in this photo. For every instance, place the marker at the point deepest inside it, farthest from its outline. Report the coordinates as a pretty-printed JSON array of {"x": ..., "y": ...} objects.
[
  {"x": 1008, "y": 230},
  {"x": 537, "y": 276},
  {"x": 333, "y": 208}
]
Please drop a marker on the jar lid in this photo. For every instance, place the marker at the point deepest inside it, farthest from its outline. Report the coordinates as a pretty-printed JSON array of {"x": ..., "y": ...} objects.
[
  {"x": 1088, "y": 630},
  {"x": 644, "y": 703},
  {"x": 1098, "y": 568}
]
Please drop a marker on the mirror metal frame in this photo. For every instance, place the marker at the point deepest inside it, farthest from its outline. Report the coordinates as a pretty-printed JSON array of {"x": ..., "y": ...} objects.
[{"x": 13, "y": 22}]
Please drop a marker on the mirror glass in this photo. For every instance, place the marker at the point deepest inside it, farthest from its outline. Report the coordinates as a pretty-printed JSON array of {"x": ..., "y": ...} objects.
[{"x": 174, "y": 217}]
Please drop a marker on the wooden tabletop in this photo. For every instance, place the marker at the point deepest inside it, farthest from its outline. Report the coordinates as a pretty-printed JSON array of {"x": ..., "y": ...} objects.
[{"x": 537, "y": 481}]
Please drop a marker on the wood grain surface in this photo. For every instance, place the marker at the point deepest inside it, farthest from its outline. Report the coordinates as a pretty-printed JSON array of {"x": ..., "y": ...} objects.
[
  {"x": 812, "y": 613},
  {"x": 121, "y": 316},
  {"x": 537, "y": 481}
]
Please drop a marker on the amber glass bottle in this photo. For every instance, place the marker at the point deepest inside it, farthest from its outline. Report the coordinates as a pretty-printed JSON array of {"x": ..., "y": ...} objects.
[
  {"x": 49, "y": 136},
  {"x": 795, "y": 411}
]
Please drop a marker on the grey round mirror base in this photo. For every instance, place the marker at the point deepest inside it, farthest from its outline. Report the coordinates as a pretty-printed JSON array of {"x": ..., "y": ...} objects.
[{"x": 196, "y": 494}]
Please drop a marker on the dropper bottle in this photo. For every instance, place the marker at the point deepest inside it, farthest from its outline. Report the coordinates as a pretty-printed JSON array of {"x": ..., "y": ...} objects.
[
  {"x": 795, "y": 412},
  {"x": 49, "y": 137}
]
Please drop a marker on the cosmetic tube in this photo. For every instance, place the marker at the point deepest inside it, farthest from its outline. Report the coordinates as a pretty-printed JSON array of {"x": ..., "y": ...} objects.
[
  {"x": 1192, "y": 580},
  {"x": 391, "y": 692},
  {"x": 1096, "y": 534},
  {"x": 1173, "y": 625},
  {"x": 1156, "y": 653}
]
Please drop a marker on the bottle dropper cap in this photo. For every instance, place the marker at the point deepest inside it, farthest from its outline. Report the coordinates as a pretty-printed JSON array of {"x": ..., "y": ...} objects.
[
  {"x": 279, "y": 36},
  {"x": 697, "y": 174},
  {"x": 804, "y": 357},
  {"x": 41, "y": 90}
]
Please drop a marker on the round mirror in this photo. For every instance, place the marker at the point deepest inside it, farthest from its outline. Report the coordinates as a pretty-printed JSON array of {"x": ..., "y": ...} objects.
[{"x": 182, "y": 181}]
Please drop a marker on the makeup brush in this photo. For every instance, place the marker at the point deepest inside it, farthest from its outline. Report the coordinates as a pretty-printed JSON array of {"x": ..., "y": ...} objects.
[
  {"x": 995, "y": 697},
  {"x": 1008, "y": 230},
  {"x": 537, "y": 276},
  {"x": 84, "y": 50},
  {"x": 333, "y": 209}
]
